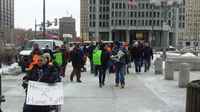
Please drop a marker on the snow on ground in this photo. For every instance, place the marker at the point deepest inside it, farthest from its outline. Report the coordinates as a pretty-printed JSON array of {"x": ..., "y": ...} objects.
[
  {"x": 188, "y": 55},
  {"x": 13, "y": 69}
]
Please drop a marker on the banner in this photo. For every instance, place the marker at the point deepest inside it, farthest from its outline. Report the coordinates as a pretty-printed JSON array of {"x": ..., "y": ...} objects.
[{"x": 44, "y": 94}]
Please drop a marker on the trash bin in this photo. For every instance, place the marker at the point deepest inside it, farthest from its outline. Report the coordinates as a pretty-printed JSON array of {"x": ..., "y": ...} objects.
[{"x": 193, "y": 97}]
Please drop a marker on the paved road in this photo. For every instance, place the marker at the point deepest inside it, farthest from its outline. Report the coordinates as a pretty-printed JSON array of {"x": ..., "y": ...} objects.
[{"x": 88, "y": 97}]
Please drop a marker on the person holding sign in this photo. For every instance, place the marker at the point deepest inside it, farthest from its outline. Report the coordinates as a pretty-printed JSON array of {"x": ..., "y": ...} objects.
[
  {"x": 42, "y": 71},
  {"x": 119, "y": 57}
]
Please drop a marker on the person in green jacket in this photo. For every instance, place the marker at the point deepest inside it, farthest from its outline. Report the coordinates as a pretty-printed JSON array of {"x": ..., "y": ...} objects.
[{"x": 58, "y": 59}]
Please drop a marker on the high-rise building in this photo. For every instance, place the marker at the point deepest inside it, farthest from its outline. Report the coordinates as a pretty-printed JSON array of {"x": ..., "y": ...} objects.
[
  {"x": 84, "y": 10},
  {"x": 192, "y": 20},
  {"x": 125, "y": 21},
  {"x": 6, "y": 21},
  {"x": 180, "y": 32},
  {"x": 67, "y": 25}
]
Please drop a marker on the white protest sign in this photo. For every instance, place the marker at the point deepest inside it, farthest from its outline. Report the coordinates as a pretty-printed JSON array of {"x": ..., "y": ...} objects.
[{"x": 44, "y": 94}]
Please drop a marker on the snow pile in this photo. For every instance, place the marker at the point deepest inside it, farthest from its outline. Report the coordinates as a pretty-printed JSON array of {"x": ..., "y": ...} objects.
[
  {"x": 172, "y": 54},
  {"x": 13, "y": 69},
  {"x": 188, "y": 55}
]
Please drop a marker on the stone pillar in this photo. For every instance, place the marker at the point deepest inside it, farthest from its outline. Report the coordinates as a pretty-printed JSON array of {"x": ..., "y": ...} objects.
[
  {"x": 169, "y": 72},
  {"x": 184, "y": 75},
  {"x": 158, "y": 66},
  {"x": 127, "y": 36},
  {"x": 110, "y": 35}
]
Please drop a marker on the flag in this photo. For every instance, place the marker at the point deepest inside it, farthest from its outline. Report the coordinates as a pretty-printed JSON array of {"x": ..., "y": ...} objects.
[{"x": 132, "y": 3}]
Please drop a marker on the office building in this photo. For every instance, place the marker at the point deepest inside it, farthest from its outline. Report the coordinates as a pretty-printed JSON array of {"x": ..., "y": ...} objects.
[
  {"x": 142, "y": 20},
  {"x": 6, "y": 21},
  {"x": 67, "y": 25},
  {"x": 191, "y": 37},
  {"x": 84, "y": 10}
]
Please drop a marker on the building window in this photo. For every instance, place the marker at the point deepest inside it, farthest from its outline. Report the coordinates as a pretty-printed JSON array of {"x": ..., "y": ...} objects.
[
  {"x": 94, "y": 9},
  {"x": 124, "y": 22},
  {"x": 154, "y": 14},
  {"x": 135, "y": 14},
  {"x": 142, "y": 23},
  {"x": 120, "y": 22},
  {"x": 154, "y": 22},
  {"x": 131, "y": 14},
  {"x": 158, "y": 23},
  {"x": 124, "y": 5},
  {"x": 113, "y": 5},
  {"x": 116, "y": 14},
  {"x": 120, "y": 5},
  {"x": 158, "y": 14},
  {"x": 169, "y": 22},
  {"x": 100, "y": 24},
  {"x": 147, "y": 6},
  {"x": 146, "y": 23},
  {"x": 147, "y": 14},
  {"x": 120, "y": 14},
  {"x": 139, "y": 14},
  {"x": 131, "y": 22},
  {"x": 116, "y": 5},
  {"x": 150, "y": 22},
  {"x": 135, "y": 22},
  {"x": 150, "y": 14},
  {"x": 142, "y": 14},
  {"x": 112, "y": 14}
]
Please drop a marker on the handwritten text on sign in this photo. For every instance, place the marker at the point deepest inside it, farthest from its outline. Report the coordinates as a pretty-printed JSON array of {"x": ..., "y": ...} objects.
[{"x": 44, "y": 94}]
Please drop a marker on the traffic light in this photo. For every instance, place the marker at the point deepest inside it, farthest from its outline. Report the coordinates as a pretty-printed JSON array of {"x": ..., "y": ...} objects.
[
  {"x": 55, "y": 22},
  {"x": 41, "y": 28},
  {"x": 49, "y": 23}
]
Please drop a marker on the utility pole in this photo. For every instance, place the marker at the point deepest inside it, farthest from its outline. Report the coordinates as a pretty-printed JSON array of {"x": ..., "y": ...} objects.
[
  {"x": 35, "y": 28},
  {"x": 44, "y": 19}
]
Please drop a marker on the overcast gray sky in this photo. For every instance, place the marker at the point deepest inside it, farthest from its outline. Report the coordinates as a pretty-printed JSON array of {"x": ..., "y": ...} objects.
[{"x": 27, "y": 10}]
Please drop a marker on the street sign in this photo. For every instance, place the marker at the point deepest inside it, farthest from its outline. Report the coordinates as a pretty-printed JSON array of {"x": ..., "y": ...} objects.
[{"x": 44, "y": 94}]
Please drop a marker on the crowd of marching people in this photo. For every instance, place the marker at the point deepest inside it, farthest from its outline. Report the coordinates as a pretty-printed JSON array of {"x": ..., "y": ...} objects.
[{"x": 49, "y": 66}]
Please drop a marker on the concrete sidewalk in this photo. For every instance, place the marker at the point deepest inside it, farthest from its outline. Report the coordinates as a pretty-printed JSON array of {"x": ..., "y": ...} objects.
[{"x": 88, "y": 97}]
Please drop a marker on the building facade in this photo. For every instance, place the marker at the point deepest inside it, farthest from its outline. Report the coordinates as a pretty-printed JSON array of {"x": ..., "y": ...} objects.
[
  {"x": 118, "y": 20},
  {"x": 84, "y": 10},
  {"x": 191, "y": 36},
  {"x": 6, "y": 21},
  {"x": 67, "y": 25}
]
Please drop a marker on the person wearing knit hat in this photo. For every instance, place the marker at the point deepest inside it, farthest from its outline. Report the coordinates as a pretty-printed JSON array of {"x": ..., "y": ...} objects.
[{"x": 119, "y": 55}]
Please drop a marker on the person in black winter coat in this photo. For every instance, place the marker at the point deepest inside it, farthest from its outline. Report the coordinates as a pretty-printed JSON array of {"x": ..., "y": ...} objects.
[
  {"x": 137, "y": 56},
  {"x": 147, "y": 56},
  {"x": 43, "y": 71},
  {"x": 77, "y": 61},
  {"x": 90, "y": 52}
]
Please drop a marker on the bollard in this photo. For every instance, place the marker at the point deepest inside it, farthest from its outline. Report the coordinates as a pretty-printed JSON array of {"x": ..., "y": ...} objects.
[
  {"x": 158, "y": 66},
  {"x": 184, "y": 75},
  {"x": 169, "y": 72}
]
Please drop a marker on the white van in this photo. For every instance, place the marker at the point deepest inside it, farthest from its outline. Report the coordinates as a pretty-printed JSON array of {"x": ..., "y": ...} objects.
[{"x": 28, "y": 47}]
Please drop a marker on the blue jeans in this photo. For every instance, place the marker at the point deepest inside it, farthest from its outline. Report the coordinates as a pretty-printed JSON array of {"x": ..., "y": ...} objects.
[
  {"x": 120, "y": 72},
  {"x": 138, "y": 65}
]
